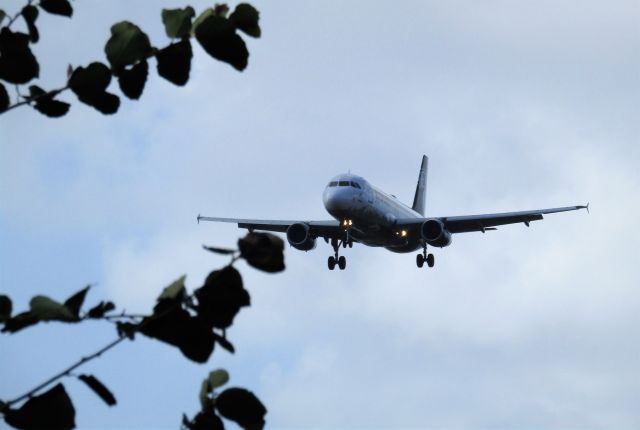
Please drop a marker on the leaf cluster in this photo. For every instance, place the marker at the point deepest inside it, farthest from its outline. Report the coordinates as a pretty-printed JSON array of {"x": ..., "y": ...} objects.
[
  {"x": 44, "y": 309},
  {"x": 196, "y": 323},
  {"x": 193, "y": 323},
  {"x": 235, "y": 404},
  {"x": 127, "y": 50}
]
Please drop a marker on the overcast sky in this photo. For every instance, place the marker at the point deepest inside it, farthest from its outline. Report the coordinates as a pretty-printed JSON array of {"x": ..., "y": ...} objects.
[{"x": 519, "y": 105}]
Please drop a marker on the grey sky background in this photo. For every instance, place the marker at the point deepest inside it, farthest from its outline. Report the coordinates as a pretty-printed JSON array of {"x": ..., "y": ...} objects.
[{"x": 519, "y": 105}]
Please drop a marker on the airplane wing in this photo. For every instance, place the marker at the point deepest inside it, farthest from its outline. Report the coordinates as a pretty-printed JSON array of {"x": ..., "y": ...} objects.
[
  {"x": 327, "y": 229},
  {"x": 484, "y": 222}
]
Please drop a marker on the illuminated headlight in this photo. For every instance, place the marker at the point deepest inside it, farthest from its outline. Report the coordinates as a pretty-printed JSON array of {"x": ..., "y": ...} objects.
[{"x": 403, "y": 233}]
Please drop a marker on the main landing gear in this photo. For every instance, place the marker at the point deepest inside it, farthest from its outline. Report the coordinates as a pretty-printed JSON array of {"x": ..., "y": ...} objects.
[
  {"x": 424, "y": 257},
  {"x": 336, "y": 259}
]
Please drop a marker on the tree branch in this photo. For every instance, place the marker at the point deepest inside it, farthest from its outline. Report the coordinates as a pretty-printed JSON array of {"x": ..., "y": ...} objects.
[
  {"x": 11, "y": 20},
  {"x": 62, "y": 374},
  {"x": 28, "y": 100},
  {"x": 68, "y": 370}
]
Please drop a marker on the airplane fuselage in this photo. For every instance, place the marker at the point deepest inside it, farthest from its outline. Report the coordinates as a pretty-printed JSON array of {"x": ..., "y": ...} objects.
[{"x": 373, "y": 213}]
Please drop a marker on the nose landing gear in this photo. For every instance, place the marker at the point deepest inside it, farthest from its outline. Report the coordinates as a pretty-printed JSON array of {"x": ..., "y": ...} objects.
[
  {"x": 340, "y": 261},
  {"x": 424, "y": 257},
  {"x": 336, "y": 259}
]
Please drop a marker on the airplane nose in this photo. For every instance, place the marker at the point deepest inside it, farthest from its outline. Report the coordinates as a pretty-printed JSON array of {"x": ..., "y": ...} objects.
[{"x": 336, "y": 201}]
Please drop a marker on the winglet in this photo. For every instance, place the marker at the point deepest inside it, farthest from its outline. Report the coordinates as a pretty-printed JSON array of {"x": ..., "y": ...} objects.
[
  {"x": 584, "y": 207},
  {"x": 199, "y": 218}
]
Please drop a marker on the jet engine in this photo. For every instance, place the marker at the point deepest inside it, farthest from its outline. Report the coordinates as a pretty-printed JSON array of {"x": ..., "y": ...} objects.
[
  {"x": 299, "y": 237},
  {"x": 434, "y": 233}
]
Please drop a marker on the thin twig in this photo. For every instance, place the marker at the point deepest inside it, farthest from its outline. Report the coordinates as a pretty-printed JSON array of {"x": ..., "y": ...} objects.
[
  {"x": 64, "y": 373},
  {"x": 11, "y": 20},
  {"x": 28, "y": 100}
]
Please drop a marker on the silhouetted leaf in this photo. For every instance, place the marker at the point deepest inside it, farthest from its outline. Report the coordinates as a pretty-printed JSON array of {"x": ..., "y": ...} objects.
[
  {"x": 2, "y": 15},
  {"x": 245, "y": 18},
  {"x": 98, "y": 388},
  {"x": 177, "y": 22},
  {"x": 223, "y": 342},
  {"x": 51, "y": 107},
  {"x": 175, "y": 290},
  {"x": 74, "y": 303},
  {"x": 18, "y": 322},
  {"x": 45, "y": 309},
  {"x": 206, "y": 421},
  {"x": 51, "y": 410},
  {"x": 100, "y": 309},
  {"x": 106, "y": 103},
  {"x": 132, "y": 80},
  {"x": 4, "y": 98},
  {"x": 223, "y": 251},
  {"x": 218, "y": 37},
  {"x": 46, "y": 104},
  {"x": 241, "y": 406},
  {"x": 174, "y": 62},
  {"x": 58, "y": 7},
  {"x": 127, "y": 45},
  {"x": 221, "y": 297},
  {"x": 30, "y": 14},
  {"x": 217, "y": 378},
  {"x": 6, "y": 308},
  {"x": 263, "y": 251},
  {"x": 86, "y": 81},
  {"x": 90, "y": 83},
  {"x": 18, "y": 65},
  {"x": 177, "y": 327},
  {"x": 42, "y": 309}
]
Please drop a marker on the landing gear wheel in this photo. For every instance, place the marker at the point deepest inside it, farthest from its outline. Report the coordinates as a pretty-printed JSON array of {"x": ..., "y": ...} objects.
[
  {"x": 419, "y": 260},
  {"x": 342, "y": 262},
  {"x": 331, "y": 263},
  {"x": 430, "y": 260}
]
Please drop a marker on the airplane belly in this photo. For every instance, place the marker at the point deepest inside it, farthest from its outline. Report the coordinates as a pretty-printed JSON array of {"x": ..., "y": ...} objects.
[{"x": 409, "y": 247}]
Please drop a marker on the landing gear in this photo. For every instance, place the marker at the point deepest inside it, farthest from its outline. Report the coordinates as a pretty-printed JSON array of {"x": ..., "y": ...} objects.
[
  {"x": 430, "y": 260},
  {"x": 336, "y": 259},
  {"x": 424, "y": 257}
]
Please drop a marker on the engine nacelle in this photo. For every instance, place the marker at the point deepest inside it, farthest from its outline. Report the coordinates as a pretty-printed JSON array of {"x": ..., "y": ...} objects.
[
  {"x": 434, "y": 233},
  {"x": 299, "y": 237}
]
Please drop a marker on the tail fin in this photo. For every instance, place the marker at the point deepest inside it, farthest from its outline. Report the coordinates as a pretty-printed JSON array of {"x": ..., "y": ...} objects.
[{"x": 421, "y": 189}]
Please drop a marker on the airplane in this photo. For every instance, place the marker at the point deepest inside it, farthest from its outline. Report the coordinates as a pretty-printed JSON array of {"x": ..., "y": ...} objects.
[{"x": 365, "y": 214}]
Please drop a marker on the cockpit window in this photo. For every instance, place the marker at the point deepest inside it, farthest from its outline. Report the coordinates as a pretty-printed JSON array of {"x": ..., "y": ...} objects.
[{"x": 344, "y": 184}]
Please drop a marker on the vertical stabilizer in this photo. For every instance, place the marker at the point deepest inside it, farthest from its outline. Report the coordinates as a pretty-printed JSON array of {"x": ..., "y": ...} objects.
[{"x": 421, "y": 189}]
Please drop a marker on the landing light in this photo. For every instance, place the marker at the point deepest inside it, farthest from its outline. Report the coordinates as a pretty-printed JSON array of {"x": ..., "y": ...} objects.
[
  {"x": 403, "y": 233},
  {"x": 347, "y": 223}
]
